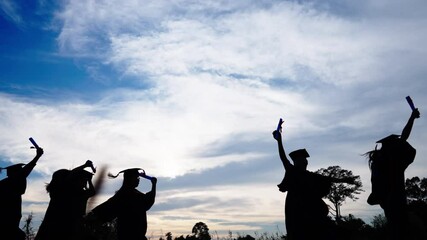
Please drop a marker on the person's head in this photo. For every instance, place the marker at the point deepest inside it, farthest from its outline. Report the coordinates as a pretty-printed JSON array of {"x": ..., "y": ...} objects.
[
  {"x": 59, "y": 181},
  {"x": 389, "y": 142},
  {"x": 13, "y": 170},
  {"x": 299, "y": 157},
  {"x": 130, "y": 177},
  {"x": 378, "y": 155}
]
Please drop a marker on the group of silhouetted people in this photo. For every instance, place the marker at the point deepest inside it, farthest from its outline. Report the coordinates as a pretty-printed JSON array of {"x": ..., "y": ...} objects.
[
  {"x": 69, "y": 191},
  {"x": 306, "y": 212}
]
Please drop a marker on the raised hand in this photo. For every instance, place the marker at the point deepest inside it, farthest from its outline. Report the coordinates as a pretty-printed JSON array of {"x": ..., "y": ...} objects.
[
  {"x": 415, "y": 113},
  {"x": 153, "y": 180},
  {"x": 89, "y": 163},
  {"x": 39, "y": 152},
  {"x": 277, "y": 135}
]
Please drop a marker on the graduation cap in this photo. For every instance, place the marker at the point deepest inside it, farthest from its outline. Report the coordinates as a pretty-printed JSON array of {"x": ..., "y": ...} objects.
[
  {"x": 131, "y": 172},
  {"x": 10, "y": 170},
  {"x": 298, "y": 154},
  {"x": 389, "y": 138}
]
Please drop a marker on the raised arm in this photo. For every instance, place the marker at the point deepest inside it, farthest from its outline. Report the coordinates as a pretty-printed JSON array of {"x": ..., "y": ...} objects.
[
  {"x": 408, "y": 127},
  {"x": 88, "y": 163},
  {"x": 90, "y": 191},
  {"x": 151, "y": 195},
  {"x": 26, "y": 170},
  {"x": 278, "y": 136}
]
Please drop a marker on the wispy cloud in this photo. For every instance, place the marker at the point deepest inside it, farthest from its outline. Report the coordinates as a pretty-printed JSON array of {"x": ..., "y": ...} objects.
[{"x": 11, "y": 12}]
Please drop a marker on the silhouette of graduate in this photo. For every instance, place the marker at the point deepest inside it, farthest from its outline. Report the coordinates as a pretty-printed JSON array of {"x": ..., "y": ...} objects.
[
  {"x": 69, "y": 191},
  {"x": 305, "y": 211},
  {"x": 128, "y": 205},
  {"x": 11, "y": 190},
  {"x": 388, "y": 165}
]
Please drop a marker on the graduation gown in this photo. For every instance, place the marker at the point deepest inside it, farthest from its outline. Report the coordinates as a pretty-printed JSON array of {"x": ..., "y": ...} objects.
[{"x": 130, "y": 207}]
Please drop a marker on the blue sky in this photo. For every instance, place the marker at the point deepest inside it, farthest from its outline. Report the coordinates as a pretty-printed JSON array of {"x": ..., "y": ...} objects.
[{"x": 191, "y": 90}]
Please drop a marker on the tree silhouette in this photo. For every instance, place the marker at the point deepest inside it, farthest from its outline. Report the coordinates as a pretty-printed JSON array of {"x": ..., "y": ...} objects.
[
  {"x": 168, "y": 236},
  {"x": 201, "y": 231},
  {"x": 416, "y": 190},
  {"x": 247, "y": 237},
  {"x": 28, "y": 227},
  {"x": 341, "y": 191},
  {"x": 379, "y": 226},
  {"x": 379, "y": 221},
  {"x": 180, "y": 238}
]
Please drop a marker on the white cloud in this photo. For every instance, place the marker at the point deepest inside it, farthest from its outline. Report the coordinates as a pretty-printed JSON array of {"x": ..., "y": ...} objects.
[
  {"x": 11, "y": 10},
  {"x": 161, "y": 134},
  {"x": 284, "y": 41}
]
